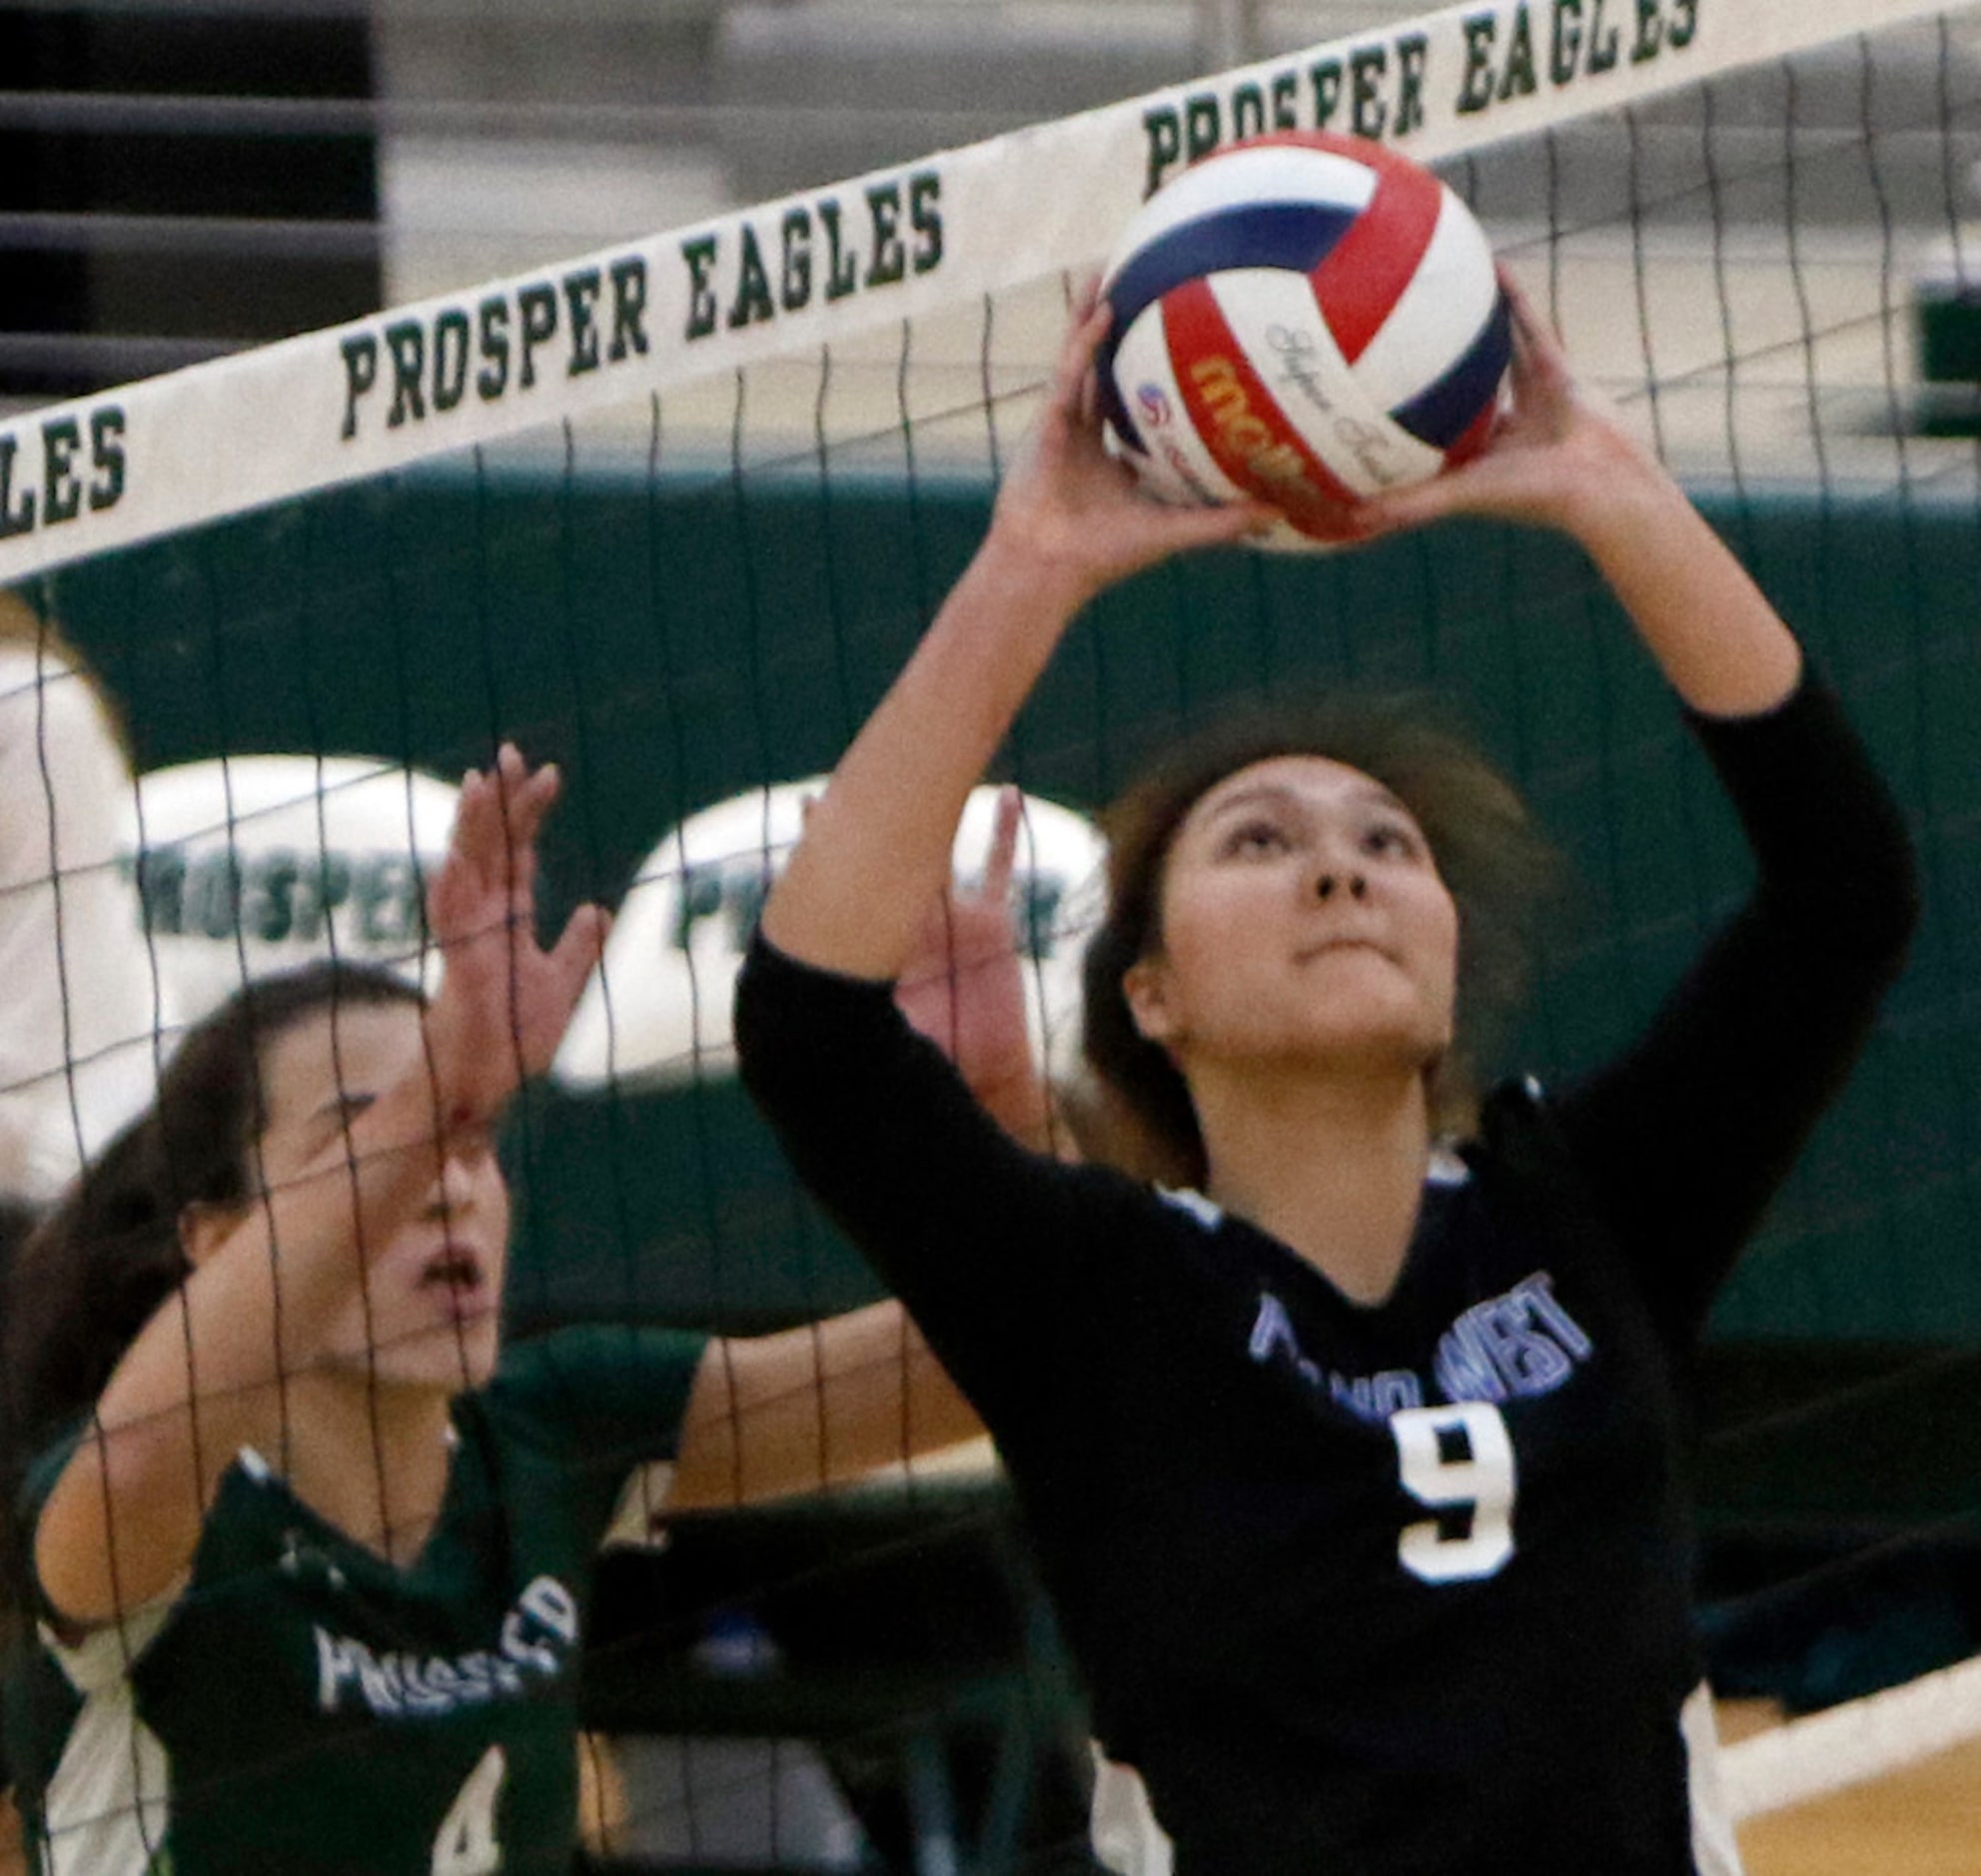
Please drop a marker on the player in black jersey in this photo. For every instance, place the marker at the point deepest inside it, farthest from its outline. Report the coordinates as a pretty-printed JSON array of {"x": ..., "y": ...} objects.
[
  {"x": 310, "y": 1567},
  {"x": 1354, "y": 1465}
]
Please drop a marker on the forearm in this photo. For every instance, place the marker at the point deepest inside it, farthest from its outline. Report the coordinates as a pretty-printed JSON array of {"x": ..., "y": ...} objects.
[
  {"x": 259, "y": 1302},
  {"x": 1686, "y": 1134},
  {"x": 1069, "y": 522},
  {"x": 1711, "y": 631},
  {"x": 876, "y": 848},
  {"x": 821, "y": 1406},
  {"x": 1560, "y": 461},
  {"x": 1019, "y": 1100},
  {"x": 203, "y": 1378}
]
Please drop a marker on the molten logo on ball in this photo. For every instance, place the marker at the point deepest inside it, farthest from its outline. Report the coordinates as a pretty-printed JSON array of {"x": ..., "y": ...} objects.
[{"x": 1245, "y": 433}]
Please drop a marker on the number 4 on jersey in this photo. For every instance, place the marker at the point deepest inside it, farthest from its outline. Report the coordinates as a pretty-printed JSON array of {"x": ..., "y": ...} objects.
[
  {"x": 465, "y": 1843},
  {"x": 1481, "y": 1479}
]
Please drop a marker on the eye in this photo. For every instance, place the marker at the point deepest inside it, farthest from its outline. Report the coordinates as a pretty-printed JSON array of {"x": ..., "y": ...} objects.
[
  {"x": 1392, "y": 840},
  {"x": 1250, "y": 838}
]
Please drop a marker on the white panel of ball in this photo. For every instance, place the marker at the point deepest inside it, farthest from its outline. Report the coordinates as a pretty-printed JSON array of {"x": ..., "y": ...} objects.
[
  {"x": 1278, "y": 324},
  {"x": 1445, "y": 304},
  {"x": 1175, "y": 464},
  {"x": 1281, "y": 173}
]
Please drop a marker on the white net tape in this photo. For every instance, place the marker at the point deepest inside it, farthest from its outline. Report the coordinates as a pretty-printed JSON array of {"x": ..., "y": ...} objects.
[{"x": 742, "y": 290}]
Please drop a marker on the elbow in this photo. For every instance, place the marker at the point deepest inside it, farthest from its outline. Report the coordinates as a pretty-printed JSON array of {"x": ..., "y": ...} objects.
[
  {"x": 72, "y": 1547},
  {"x": 1871, "y": 910},
  {"x": 1908, "y": 912},
  {"x": 749, "y": 1024},
  {"x": 1894, "y": 905},
  {"x": 122, "y": 1522}
]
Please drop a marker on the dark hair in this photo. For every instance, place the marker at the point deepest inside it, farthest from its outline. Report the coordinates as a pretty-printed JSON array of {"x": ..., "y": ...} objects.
[
  {"x": 22, "y": 623},
  {"x": 1139, "y": 1114},
  {"x": 99, "y": 1266},
  {"x": 18, "y": 1217}
]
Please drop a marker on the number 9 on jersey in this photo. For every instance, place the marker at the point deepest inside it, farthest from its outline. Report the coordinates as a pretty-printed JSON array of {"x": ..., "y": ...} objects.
[{"x": 1480, "y": 1481}]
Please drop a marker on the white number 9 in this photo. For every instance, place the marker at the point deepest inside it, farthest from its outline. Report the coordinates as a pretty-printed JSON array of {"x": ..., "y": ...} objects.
[{"x": 1483, "y": 1483}]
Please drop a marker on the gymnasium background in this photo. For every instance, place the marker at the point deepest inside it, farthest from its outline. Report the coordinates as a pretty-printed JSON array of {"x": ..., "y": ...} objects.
[{"x": 676, "y": 633}]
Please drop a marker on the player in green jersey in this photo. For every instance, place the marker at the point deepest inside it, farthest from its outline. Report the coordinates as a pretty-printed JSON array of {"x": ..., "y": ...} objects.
[{"x": 311, "y": 1565}]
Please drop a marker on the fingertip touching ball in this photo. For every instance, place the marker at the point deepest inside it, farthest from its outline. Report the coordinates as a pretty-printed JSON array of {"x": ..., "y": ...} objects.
[{"x": 1305, "y": 320}]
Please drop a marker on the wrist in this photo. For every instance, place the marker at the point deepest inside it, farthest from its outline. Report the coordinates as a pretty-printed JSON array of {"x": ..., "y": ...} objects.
[
  {"x": 1620, "y": 499},
  {"x": 1035, "y": 576},
  {"x": 1710, "y": 629}
]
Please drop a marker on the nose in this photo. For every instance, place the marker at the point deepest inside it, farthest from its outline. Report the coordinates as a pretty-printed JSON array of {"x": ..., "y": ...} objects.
[
  {"x": 1355, "y": 884},
  {"x": 460, "y": 1167}
]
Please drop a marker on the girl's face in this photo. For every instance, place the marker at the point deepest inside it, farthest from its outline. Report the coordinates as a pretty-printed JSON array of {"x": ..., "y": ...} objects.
[
  {"x": 1303, "y": 921},
  {"x": 427, "y": 1314}
]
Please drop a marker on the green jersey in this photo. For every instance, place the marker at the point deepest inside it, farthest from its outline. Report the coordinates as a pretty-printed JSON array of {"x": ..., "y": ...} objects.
[{"x": 300, "y": 1704}]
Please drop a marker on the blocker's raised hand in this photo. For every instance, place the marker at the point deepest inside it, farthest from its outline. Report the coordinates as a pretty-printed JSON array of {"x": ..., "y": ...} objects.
[
  {"x": 505, "y": 1002},
  {"x": 963, "y": 986}
]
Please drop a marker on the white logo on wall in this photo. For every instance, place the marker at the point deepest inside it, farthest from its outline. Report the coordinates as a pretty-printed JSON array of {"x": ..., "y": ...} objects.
[
  {"x": 252, "y": 864},
  {"x": 656, "y": 1014}
]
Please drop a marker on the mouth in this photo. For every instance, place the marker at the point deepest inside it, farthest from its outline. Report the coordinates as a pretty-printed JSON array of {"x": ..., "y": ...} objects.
[
  {"x": 457, "y": 1273},
  {"x": 1328, "y": 946}
]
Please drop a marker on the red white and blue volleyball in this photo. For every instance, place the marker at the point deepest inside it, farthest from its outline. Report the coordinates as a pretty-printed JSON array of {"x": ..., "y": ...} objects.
[{"x": 1305, "y": 320}]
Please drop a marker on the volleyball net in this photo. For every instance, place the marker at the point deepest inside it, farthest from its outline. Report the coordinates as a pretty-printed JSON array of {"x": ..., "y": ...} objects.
[{"x": 673, "y": 512}]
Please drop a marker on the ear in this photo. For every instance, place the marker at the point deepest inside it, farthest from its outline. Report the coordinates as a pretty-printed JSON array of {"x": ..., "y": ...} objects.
[
  {"x": 204, "y": 1228},
  {"x": 1145, "y": 988}
]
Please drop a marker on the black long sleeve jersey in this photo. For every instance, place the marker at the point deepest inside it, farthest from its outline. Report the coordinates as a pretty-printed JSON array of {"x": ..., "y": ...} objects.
[{"x": 1402, "y": 1587}]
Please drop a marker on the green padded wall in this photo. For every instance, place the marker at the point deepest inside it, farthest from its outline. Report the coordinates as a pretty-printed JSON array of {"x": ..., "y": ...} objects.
[{"x": 673, "y": 642}]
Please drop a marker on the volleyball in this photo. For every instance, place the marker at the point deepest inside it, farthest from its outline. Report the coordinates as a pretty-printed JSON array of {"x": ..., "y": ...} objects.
[{"x": 1305, "y": 320}]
